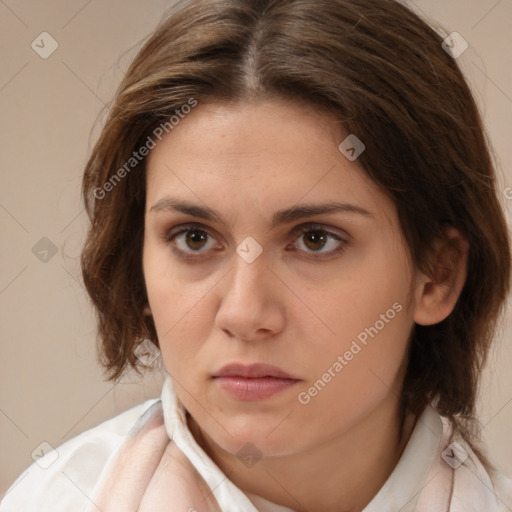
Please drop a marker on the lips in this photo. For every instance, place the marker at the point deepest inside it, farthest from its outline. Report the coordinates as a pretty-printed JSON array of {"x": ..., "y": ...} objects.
[
  {"x": 253, "y": 382},
  {"x": 253, "y": 371}
]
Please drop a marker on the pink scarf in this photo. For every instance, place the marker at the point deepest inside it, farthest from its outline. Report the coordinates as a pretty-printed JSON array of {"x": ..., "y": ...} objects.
[{"x": 149, "y": 473}]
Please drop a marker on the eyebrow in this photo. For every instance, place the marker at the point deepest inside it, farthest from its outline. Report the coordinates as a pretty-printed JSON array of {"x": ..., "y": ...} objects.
[{"x": 284, "y": 216}]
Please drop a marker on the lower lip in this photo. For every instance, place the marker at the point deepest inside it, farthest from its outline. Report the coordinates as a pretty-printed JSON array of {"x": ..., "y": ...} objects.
[{"x": 250, "y": 389}]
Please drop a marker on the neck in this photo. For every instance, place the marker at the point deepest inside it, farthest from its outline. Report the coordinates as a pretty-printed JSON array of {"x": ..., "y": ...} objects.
[{"x": 342, "y": 474}]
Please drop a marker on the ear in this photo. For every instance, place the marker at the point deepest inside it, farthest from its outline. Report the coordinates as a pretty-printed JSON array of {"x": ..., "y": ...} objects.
[
  {"x": 146, "y": 310},
  {"x": 437, "y": 295}
]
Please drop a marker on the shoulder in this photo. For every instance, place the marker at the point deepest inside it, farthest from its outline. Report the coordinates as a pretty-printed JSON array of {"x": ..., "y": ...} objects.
[
  {"x": 457, "y": 479},
  {"x": 64, "y": 477},
  {"x": 503, "y": 489},
  {"x": 475, "y": 487}
]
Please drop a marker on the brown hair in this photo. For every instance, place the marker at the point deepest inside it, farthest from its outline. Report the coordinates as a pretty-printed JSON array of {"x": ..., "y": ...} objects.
[{"x": 384, "y": 73}]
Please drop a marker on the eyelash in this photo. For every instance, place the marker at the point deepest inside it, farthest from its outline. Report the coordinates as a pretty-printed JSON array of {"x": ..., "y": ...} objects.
[{"x": 296, "y": 233}]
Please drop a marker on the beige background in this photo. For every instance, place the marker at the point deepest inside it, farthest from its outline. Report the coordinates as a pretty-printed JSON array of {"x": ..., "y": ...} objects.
[{"x": 51, "y": 388}]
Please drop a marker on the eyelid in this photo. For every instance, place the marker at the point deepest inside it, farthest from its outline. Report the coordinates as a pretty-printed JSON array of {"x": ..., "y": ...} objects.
[
  {"x": 188, "y": 226},
  {"x": 312, "y": 226},
  {"x": 297, "y": 230}
]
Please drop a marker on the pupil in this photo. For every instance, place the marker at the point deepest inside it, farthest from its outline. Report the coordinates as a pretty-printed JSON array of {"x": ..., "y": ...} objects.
[{"x": 315, "y": 237}]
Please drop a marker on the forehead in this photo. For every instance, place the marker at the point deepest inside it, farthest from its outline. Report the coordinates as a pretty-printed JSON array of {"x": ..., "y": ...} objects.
[{"x": 265, "y": 155}]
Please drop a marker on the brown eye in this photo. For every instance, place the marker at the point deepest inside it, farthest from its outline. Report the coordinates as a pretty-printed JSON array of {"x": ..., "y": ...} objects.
[
  {"x": 195, "y": 240},
  {"x": 315, "y": 240},
  {"x": 191, "y": 242}
]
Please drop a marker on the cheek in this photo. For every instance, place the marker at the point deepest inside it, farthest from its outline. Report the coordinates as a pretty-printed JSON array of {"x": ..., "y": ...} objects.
[
  {"x": 175, "y": 307},
  {"x": 370, "y": 314},
  {"x": 356, "y": 375},
  {"x": 372, "y": 298},
  {"x": 179, "y": 320}
]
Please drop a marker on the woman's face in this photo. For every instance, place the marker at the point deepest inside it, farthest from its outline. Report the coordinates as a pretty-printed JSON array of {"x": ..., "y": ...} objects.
[{"x": 321, "y": 297}]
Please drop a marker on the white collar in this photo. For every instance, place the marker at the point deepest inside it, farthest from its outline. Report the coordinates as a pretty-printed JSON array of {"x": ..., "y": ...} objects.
[
  {"x": 229, "y": 497},
  {"x": 403, "y": 487}
]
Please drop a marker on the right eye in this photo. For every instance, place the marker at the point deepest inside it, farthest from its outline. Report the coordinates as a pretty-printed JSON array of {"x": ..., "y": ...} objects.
[{"x": 189, "y": 239}]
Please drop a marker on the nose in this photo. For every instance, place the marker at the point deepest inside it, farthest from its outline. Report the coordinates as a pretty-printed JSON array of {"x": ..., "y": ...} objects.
[{"x": 251, "y": 306}]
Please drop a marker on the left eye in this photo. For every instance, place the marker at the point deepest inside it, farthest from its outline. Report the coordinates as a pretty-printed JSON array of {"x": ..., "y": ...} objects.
[{"x": 316, "y": 238}]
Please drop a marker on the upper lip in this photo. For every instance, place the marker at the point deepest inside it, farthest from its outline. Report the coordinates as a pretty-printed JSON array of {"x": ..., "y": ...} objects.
[{"x": 254, "y": 371}]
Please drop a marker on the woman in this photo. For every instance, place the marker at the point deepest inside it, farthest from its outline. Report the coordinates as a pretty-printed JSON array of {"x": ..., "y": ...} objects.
[{"x": 295, "y": 203}]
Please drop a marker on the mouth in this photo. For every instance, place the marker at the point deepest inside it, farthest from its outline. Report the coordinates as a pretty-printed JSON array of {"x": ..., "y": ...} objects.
[{"x": 253, "y": 382}]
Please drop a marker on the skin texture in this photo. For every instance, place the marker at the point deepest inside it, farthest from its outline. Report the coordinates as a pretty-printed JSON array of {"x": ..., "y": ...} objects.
[{"x": 286, "y": 308}]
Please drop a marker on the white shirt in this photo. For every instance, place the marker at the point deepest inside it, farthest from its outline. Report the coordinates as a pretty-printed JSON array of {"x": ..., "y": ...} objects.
[{"x": 68, "y": 478}]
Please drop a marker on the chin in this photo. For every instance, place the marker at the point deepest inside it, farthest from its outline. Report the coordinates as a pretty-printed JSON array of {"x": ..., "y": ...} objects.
[{"x": 255, "y": 438}]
